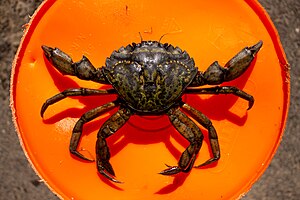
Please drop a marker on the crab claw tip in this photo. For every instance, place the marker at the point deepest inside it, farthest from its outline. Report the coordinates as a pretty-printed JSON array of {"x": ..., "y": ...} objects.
[
  {"x": 47, "y": 50},
  {"x": 255, "y": 48}
]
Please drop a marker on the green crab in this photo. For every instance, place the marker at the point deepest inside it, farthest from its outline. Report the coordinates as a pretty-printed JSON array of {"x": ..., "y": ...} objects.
[{"x": 150, "y": 78}]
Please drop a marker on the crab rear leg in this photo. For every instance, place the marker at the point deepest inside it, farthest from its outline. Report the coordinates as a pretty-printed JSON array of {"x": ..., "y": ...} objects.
[
  {"x": 83, "y": 69},
  {"x": 73, "y": 92},
  {"x": 212, "y": 134},
  {"x": 114, "y": 123},
  {"x": 235, "y": 67},
  {"x": 77, "y": 131},
  {"x": 188, "y": 129}
]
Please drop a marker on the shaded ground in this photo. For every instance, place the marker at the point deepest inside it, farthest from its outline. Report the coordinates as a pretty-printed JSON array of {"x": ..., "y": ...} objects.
[{"x": 18, "y": 181}]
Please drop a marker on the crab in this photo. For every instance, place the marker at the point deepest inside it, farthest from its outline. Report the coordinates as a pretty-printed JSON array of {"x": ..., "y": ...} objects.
[{"x": 149, "y": 78}]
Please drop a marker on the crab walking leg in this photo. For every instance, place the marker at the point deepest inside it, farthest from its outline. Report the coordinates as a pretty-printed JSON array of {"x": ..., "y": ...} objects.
[
  {"x": 223, "y": 90},
  {"x": 189, "y": 130},
  {"x": 114, "y": 123},
  {"x": 212, "y": 134},
  {"x": 86, "y": 117},
  {"x": 235, "y": 67},
  {"x": 82, "y": 69},
  {"x": 74, "y": 92}
]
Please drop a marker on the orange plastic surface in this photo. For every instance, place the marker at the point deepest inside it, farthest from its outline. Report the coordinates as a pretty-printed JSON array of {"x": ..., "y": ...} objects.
[{"x": 208, "y": 31}]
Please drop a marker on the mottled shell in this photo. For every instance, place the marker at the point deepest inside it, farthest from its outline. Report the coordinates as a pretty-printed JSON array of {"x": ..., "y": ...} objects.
[{"x": 150, "y": 76}]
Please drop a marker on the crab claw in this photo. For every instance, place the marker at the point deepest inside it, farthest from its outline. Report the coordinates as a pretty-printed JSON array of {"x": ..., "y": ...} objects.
[
  {"x": 62, "y": 61},
  {"x": 255, "y": 48},
  {"x": 47, "y": 51},
  {"x": 241, "y": 61}
]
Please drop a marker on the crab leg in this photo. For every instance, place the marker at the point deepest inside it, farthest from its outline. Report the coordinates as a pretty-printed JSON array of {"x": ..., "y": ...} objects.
[
  {"x": 188, "y": 129},
  {"x": 74, "y": 92},
  {"x": 86, "y": 117},
  {"x": 82, "y": 69},
  {"x": 223, "y": 90},
  {"x": 114, "y": 123},
  {"x": 212, "y": 134},
  {"x": 235, "y": 67}
]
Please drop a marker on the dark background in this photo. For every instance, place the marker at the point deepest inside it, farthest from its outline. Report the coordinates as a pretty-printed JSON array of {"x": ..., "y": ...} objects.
[{"x": 18, "y": 181}]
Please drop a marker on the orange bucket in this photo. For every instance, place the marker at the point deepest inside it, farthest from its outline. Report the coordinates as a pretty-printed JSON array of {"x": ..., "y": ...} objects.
[{"x": 208, "y": 31}]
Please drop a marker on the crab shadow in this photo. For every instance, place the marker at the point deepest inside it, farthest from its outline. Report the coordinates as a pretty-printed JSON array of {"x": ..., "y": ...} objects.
[{"x": 216, "y": 107}]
